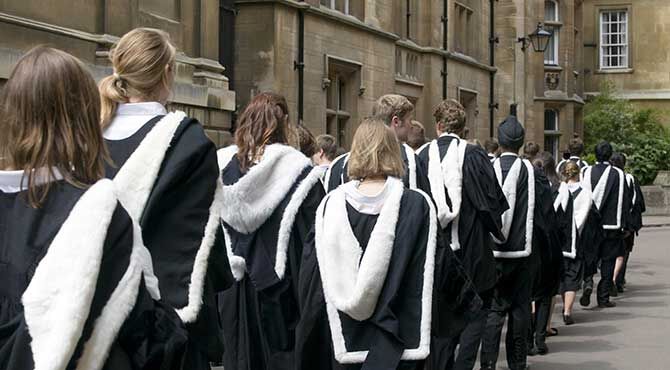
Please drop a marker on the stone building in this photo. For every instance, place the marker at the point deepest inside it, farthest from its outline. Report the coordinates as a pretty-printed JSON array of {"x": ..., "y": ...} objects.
[
  {"x": 627, "y": 43},
  {"x": 333, "y": 58},
  {"x": 87, "y": 29}
]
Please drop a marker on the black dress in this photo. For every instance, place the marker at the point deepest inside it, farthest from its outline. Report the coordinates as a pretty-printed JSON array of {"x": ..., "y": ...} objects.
[
  {"x": 73, "y": 292},
  {"x": 270, "y": 214},
  {"x": 168, "y": 174}
]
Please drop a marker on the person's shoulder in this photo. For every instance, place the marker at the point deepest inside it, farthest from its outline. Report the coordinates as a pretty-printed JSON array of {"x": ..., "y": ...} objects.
[{"x": 191, "y": 132}]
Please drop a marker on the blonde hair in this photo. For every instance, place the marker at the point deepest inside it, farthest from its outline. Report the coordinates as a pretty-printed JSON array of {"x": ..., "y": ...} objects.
[
  {"x": 392, "y": 105},
  {"x": 450, "y": 116},
  {"x": 570, "y": 170},
  {"x": 50, "y": 120},
  {"x": 139, "y": 60},
  {"x": 375, "y": 151}
]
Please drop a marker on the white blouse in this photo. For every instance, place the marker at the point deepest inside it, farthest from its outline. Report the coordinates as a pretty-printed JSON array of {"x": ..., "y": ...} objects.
[{"x": 130, "y": 117}]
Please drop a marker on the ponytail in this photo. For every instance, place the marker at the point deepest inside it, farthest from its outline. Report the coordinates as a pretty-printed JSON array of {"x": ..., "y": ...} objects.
[{"x": 112, "y": 94}]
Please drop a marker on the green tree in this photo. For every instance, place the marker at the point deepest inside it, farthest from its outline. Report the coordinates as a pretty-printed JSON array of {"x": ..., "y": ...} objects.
[{"x": 638, "y": 133}]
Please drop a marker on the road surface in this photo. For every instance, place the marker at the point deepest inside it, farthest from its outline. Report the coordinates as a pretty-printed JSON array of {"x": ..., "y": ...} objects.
[{"x": 632, "y": 336}]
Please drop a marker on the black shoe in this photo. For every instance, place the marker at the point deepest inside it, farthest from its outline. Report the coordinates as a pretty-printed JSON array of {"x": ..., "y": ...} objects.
[
  {"x": 585, "y": 301},
  {"x": 620, "y": 289},
  {"x": 542, "y": 349},
  {"x": 488, "y": 366},
  {"x": 520, "y": 367},
  {"x": 568, "y": 320},
  {"x": 613, "y": 291},
  {"x": 533, "y": 351},
  {"x": 607, "y": 304}
]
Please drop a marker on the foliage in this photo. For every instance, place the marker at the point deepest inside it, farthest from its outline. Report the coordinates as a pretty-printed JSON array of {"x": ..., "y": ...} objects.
[{"x": 635, "y": 132}]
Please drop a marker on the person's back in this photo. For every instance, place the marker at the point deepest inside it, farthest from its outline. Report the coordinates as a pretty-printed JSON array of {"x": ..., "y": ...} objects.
[
  {"x": 271, "y": 192},
  {"x": 70, "y": 253},
  {"x": 374, "y": 240},
  {"x": 167, "y": 171}
]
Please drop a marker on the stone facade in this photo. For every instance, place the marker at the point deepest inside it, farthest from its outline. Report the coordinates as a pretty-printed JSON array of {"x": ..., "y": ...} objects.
[
  {"x": 354, "y": 53},
  {"x": 87, "y": 29},
  {"x": 644, "y": 77}
]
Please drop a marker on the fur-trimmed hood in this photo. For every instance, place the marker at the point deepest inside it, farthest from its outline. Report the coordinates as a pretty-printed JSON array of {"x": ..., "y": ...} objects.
[{"x": 248, "y": 203}]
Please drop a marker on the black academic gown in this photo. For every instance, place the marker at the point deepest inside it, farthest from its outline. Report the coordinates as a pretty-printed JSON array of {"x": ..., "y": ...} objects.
[
  {"x": 547, "y": 241},
  {"x": 395, "y": 324},
  {"x": 261, "y": 309},
  {"x": 415, "y": 171},
  {"x": 575, "y": 159},
  {"x": 173, "y": 224},
  {"x": 615, "y": 199},
  {"x": 482, "y": 205},
  {"x": 637, "y": 204},
  {"x": 150, "y": 336}
]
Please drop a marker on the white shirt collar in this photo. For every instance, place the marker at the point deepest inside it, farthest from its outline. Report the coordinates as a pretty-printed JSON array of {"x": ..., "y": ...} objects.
[
  {"x": 367, "y": 204},
  {"x": 130, "y": 117},
  {"x": 607, "y": 163},
  {"x": 508, "y": 154},
  {"x": 450, "y": 134},
  {"x": 575, "y": 157},
  {"x": 15, "y": 181}
]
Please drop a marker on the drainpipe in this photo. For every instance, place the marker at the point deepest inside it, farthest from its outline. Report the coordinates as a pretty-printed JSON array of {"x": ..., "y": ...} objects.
[
  {"x": 445, "y": 28},
  {"x": 299, "y": 65},
  {"x": 493, "y": 39}
]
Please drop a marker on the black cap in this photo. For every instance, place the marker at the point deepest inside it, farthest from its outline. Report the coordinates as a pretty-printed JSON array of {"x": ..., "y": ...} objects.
[{"x": 511, "y": 133}]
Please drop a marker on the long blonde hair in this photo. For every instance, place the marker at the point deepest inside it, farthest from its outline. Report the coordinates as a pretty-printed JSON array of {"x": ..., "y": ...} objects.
[
  {"x": 375, "y": 151},
  {"x": 50, "y": 120},
  {"x": 139, "y": 59}
]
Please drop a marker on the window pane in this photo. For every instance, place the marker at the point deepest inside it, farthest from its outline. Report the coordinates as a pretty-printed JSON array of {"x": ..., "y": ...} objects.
[
  {"x": 550, "y": 11},
  {"x": 550, "y": 120}
]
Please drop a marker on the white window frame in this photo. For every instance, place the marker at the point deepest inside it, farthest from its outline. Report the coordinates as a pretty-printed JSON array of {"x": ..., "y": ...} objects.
[
  {"x": 555, "y": 30},
  {"x": 625, "y": 46},
  {"x": 333, "y": 6},
  {"x": 555, "y": 134}
]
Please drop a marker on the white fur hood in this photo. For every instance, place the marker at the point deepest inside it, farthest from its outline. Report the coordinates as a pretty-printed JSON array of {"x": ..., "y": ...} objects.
[{"x": 250, "y": 201}]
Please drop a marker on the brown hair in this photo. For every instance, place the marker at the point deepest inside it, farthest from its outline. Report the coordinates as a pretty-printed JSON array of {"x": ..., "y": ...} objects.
[
  {"x": 263, "y": 122},
  {"x": 392, "y": 105},
  {"x": 416, "y": 136},
  {"x": 375, "y": 151},
  {"x": 570, "y": 170},
  {"x": 50, "y": 120},
  {"x": 450, "y": 116},
  {"x": 306, "y": 141},
  {"x": 328, "y": 145},
  {"x": 491, "y": 146},
  {"x": 139, "y": 59},
  {"x": 530, "y": 150},
  {"x": 576, "y": 147}
]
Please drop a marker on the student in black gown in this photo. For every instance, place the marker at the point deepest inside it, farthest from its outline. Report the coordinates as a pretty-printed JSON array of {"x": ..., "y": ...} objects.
[
  {"x": 576, "y": 149},
  {"x": 166, "y": 169},
  {"x": 77, "y": 290},
  {"x": 492, "y": 149},
  {"x": 574, "y": 206},
  {"x": 547, "y": 254},
  {"x": 527, "y": 225},
  {"x": 271, "y": 192},
  {"x": 633, "y": 224},
  {"x": 369, "y": 287},
  {"x": 607, "y": 185},
  {"x": 469, "y": 203},
  {"x": 396, "y": 111}
]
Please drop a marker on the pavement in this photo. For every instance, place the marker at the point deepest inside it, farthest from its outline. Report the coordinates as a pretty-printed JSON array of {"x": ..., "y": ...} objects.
[
  {"x": 656, "y": 221},
  {"x": 632, "y": 335}
]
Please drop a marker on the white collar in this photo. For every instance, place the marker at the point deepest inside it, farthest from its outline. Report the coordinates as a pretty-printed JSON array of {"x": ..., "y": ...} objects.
[
  {"x": 509, "y": 154},
  {"x": 574, "y": 186},
  {"x": 15, "y": 181},
  {"x": 575, "y": 157},
  {"x": 131, "y": 117},
  {"x": 367, "y": 204},
  {"x": 607, "y": 163},
  {"x": 151, "y": 108},
  {"x": 450, "y": 134}
]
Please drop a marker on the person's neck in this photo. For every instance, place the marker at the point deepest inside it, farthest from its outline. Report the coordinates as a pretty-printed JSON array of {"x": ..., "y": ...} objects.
[{"x": 371, "y": 186}]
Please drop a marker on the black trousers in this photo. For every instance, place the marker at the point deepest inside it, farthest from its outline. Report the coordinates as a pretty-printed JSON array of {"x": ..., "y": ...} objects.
[
  {"x": 511, "y": 300},
  {"x": 610, "y": 249},
  {"x": 621, "y": 278},
  {"x": 469, "y": 339},
  {"x": 541, "y": 319}
]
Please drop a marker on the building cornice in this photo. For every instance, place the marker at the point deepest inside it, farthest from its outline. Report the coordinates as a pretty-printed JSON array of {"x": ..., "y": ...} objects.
[
  {"x": 105, "y": 40},
  {"x": 561, "y": 99}
]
